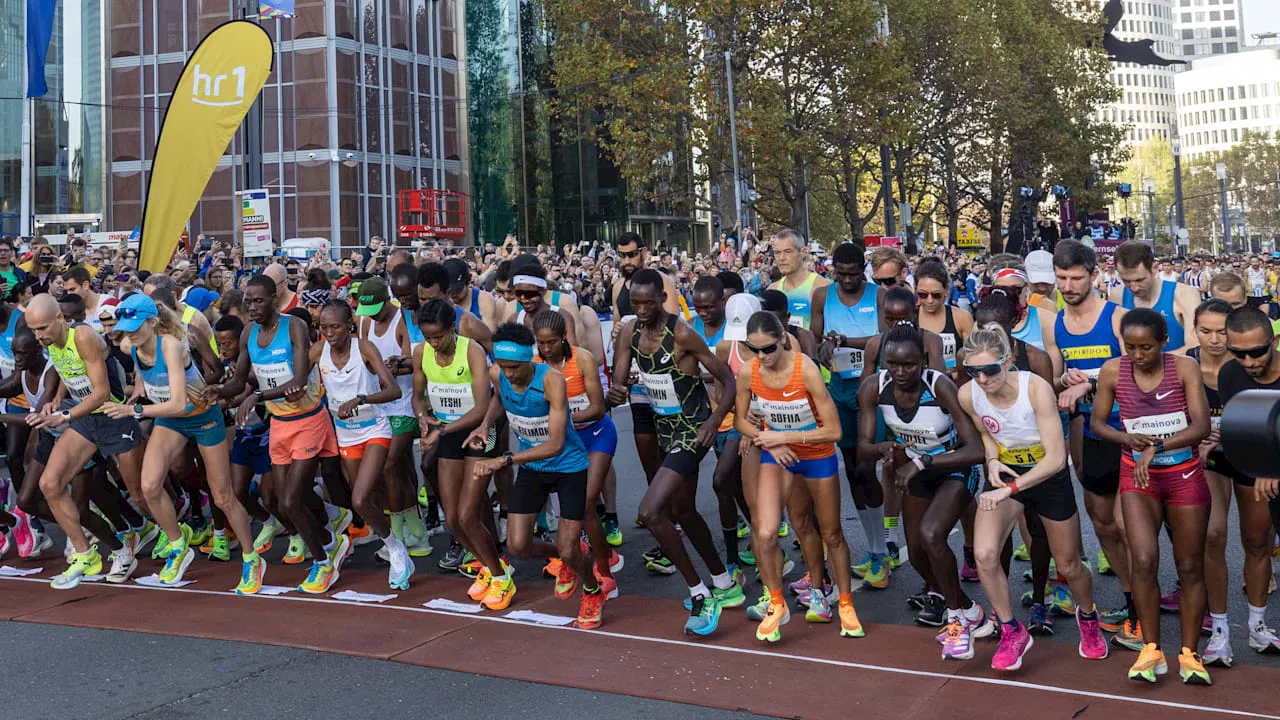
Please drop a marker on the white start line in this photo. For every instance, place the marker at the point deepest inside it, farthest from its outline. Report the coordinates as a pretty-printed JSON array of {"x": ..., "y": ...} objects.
[{"x": 1218, "y": 711}]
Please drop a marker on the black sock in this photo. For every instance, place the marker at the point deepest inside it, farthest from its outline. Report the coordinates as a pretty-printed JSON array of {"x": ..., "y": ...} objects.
[
  {"x": 968, "y": 555},
  {"x": 731, "y": 545},
  {"x": 1128, "y": 606},
  {"x": 610, "y": 516}
]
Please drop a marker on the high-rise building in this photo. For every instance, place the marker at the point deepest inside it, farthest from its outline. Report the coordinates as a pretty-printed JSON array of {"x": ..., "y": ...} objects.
[
  {"x": 1208, "y": 27},
  {"x": 364, "y": 102},
  {"x": 1222, "y": 98},
  {"x": 1146, "y": 105}
]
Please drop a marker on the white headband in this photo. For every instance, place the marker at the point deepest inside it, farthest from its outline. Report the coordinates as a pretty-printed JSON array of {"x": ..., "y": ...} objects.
[{"x": 528, "y": 280}]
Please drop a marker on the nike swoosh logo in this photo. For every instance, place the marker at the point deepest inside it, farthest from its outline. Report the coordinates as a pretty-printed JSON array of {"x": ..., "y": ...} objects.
[
  {"x": 1188, "y": 474},
  {"x": 597, "y": 432},
  {"x": 1161, "y": 396},
  {"x": 789, "y": 394}
]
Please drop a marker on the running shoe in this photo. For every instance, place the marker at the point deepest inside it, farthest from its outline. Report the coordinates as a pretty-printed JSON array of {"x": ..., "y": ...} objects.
[
  {"x": 552, "y": 568},
  {"x": 1023, "y": 553},
  {"x": 968, "y": 573},
  {"x": 651, "y": 553},
  {"x": 704, "y": 616},
  {"x": 452, "y": 557},
  {"x": 123, "y": 563},
  {"x": 747, "y": 557},
  {"x": 1112, "y": 621},
  {"x": 1029, "y": 597},
  {"x": 470, "y": 566},
  {"x": 251, "y": 574},
  {"x": 341, "y": 521},
  {"x": 743, "y": 529},
  {"x": 82, "y": 565},
  {"x": 850, "y": 626},
  {"x": 916, "y": 601},
  {"x": 1060, "y": 601},
  {"x": 1218, "y": 650},
  {"x": 1191, "y": 668},
  {"x": 219, "y": 548},
  {"x": 500, "y": 593},
  {"x": 612, "y": 533},
  {"x": 1262, "y": 639},
  {"x": 981, "y": 627},
  {"x": 933, "y": 612},
  {"x": 400, "y": 571},
  {"x": 859, "y": 569},
  {"x": 1130, "y": 636},
  {"x": 270, "y": 529},
  {"x": 877, "y": 576},
  {"x": 44, "y": 544},
  {"x": 800, "y": 586},
  {"x": 361, "y": 535},
  {"x": 566, "y": 582},
  {"x": 1206, "y": 627},
  {"x": 418, "y": 547},
  {"x": 1150, "y": 664},
  {"x": 608, "y": 586},
  {"x": 731, "y": 597},
  {"x": 24, "y": 536},
  {"x": 1040, "y": 624},
  {"x": 200, "y": 533},
  {"x": 958, "y": 643},
  {"x": 895, "y": 557},
  {"x": 5, "y": 542},
  {"x": 661, "y": 565},
  {"x": 1092, "y": 645},
  {"x": 803, "y": 598},
  {"x": 176, "y": 564},
  {"x": 784, "y": 529},
  {"x": 1104, "y": 566},
  {"x": 819, "y": 607},
  {"x": 1014, "y": 644},
  {"x": 770, "y": 629},
  {"x": 297, "y": 553},
  {"x": 424, "y": 498},
  {"x": 161, "y": 549},
  {"x": 323, "y": 577},
  {"x": 1053, "y": 571},
  {"x": 757, "y": 612},
  {"x": 1171, "y": 602},
  {"x": 480, "y": 586},
  {"x": 735, "y": 573},
  {"x": 591, "y": 609}
]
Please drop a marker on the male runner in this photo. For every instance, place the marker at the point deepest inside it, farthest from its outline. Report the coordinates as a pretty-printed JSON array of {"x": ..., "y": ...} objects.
[
  {"x": 1142, "y": 288},
  {"x": 77, "y": 280},
  {"x": 798, "y": 283}
]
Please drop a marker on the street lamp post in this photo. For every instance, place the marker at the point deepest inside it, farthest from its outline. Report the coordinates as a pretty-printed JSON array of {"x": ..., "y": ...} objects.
[
  {"x": 1222, "y": 203},
  {"x": 1149, "y": 185}
]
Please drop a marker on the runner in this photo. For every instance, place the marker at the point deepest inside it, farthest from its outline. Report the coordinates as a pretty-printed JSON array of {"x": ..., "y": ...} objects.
[
  {"x": 1143, "y": 289},
  {"x": 1087, "y": 330},
  {"x": 80, "y": 358},
  {"x": 530, "y": 284},
  {"x": 798, "y": 283},
  {"x": 301, "y": 432},
  {"x": 12, "y": 518},
  {"x": 594, "y": 427},
  {"x": 1026, "y": 455},
  {"x": 360, "y": 388},
  {"x": 552, "y": 459},
  {"x": 953, "y": 325},
  {"x": 1228, "y": 286},
  {"x": 667, "y": 353},
  {"x": 799, "y": 410},
  {"x": 1255, "y": 364},
  {"x": 464, "y": 295},
  {"x": 931, "y": 449},
  {"x": 1165, "y": 416},
  {"x": 36, "y": 381}
]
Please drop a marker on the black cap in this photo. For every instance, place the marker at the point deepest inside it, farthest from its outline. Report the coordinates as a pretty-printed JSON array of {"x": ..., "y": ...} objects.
[{"x": 459, "y": 273}]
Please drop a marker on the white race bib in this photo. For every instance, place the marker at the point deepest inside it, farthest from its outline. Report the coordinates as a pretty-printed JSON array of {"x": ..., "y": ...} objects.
[
  {"x": 7, "y": 366},
  {"x": 638, "y": 395},
  {"x": 661, "y": 390},
  {"x": 789, "y": 415},
  {"x": 795, "y": 321},
  {"x": 948, "y": 348},
  {"x": 361, "y": 417},
  {"x": 157, "y": 393},
  {"x": 532, "y": 430},
  {"x": 847, "y": 362},
  {"x": 450, "y": 402},
  {"x": 921, "y": 438},
  {"x": 1163, "y": 427},
  {"x": 272, "y": 375},
  {"x": 579, "y": 402},
  {"x": 79, "y": 386}
]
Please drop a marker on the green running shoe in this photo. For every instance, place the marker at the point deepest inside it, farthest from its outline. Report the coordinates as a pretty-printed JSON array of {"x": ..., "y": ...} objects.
[
  {"x": 761, "y": 608},
  {"x": 1023, "y": 553},
  {"x": 423, "y": 498},
  {"x": 612, "y": 533},
  {"x": 747, "y": 557},
  {"x": 744, "y": 529},
  {"x": 784, "y": 529},
  {"x": 220, "y": 549},
  {"x": 161, "y": 548},
  {"x": 297, "y": 553},
  {"x": 1104, "y": 565},
  {"x": 270, "y": 530}
]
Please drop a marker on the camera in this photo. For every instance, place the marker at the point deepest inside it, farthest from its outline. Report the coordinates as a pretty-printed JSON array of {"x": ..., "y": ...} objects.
[{"x": 1251, "y": 432}]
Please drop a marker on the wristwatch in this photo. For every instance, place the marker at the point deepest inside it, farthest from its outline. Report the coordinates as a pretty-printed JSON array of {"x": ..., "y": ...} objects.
[
  {"x": 137, "y": 411},
  {"x": 363, "y": 399},
  {"x": 66, "y": 416},
  {"x": 509, "y": 458},
  {"x": 1159, "y": 446}
]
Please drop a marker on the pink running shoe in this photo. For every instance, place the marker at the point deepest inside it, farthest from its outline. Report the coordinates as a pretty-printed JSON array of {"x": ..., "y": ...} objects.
[
  {"x": 23, "y": 535},
  {"x": 1014, "y": 645},
  {"x": 5, "y": 543},
  {"x": 1171, "y": 602},
  {"x": 801, "y": 586},
  {"x": 1092, "y": 645},
  {"x": 968, "y": 573}
]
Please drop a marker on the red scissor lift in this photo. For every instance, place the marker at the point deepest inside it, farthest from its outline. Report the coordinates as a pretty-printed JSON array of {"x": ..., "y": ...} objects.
[{"x": 433, "y": 213}]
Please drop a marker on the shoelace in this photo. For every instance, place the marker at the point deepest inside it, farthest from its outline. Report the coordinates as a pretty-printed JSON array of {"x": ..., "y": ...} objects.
[{"x": 953, "y": 631}]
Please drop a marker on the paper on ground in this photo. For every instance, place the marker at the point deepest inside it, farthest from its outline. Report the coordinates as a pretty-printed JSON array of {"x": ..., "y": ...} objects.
[
  {"x": 539, "y": 618},
  {"x": 274, "y": 590},
  {"x": 451, "y": 606},
  {"x": 10, "y": 571},
  {"x": 363, "y": 597},
  {"x": 154, "y": 581}
]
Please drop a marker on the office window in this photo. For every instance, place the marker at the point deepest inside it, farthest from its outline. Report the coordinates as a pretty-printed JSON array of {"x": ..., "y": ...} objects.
[
  {"x": 1215, "y": 32},
  {"x": 1228, "y": 14},
  {"x": 1186, "y": 17},
  {"x": 1217, "y": 48},
  {"x": 1230, "y": 31},
  {"x": 1215, "y": 16},
  {"x": 1233, "y": 47},
  {"x": 1235, "y": 135}
]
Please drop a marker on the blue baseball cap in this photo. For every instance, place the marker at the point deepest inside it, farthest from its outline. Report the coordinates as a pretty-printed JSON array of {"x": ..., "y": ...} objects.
[
  {"x": 133, "y": 311},
  {"x": 201, "y": 298}
]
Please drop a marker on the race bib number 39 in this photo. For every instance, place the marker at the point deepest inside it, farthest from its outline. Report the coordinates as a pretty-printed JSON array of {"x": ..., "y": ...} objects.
[{"x": 847, "y": 362}]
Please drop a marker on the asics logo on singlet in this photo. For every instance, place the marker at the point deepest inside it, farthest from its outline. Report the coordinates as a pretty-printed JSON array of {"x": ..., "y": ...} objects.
[
  {"x": 1163, "y": 395},
  {"x": 786, "y": 394},
  {"x": 666, "y": 357},
  {"x": 462, "y": 371}
]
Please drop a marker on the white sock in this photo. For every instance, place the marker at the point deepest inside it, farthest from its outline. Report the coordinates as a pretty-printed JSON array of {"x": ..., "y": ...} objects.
[
  {"x": 972, "y": 613},
  {"x": 1256, "y": 615},
  {"x": 722, "y": 582},
  {"x": 954, "y": 615},
  {"x": 498, "y": 578},
  {"x": 1219, "y": 622},
  {"x": 699, "y": 589},
  {"x": 872, "y": 520},
  {"x": 393, "y": 543},
  {"x": 219, "y": 533}
]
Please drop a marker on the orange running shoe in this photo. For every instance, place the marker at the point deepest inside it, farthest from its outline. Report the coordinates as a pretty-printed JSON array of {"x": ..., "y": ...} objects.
[
  {"x": 552, "y": 568},
  {"x": 1150, "y": 664},
  {"x": 499, "y": 594},
  {"x": 849, "y": 624},
  {"x": 591, "y": 609},
  {"x": 566, "y": 582},
  {"x": 480, "y": 586},
  {"x": 360, "y": 535},
  {"x": 1191, "y": 668},
  {"x": 775, "y": 617}
]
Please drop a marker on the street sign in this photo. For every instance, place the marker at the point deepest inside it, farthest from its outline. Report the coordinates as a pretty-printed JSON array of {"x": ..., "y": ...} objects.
[{"x": 968, "y": 237}]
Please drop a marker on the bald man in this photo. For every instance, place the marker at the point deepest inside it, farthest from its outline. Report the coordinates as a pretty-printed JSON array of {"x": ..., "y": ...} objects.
[
  {"x": 79, "y": 355},
  {"x": 398, "y": 257},
  {"x": 286, "y": 299}
]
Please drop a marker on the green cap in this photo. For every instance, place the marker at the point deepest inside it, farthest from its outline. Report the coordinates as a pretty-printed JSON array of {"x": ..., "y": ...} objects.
[{"x": 372, "y": 294}]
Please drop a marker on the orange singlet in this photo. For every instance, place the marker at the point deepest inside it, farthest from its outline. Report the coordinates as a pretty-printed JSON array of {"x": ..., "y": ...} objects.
[
  {"x": 790, "y": 409},
  {"x": 575, "y": 386}
]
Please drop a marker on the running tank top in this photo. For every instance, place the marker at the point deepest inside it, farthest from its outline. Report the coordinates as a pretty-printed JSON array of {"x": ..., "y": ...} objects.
[
  {"x": 1160, "y": 413},
  {"x": 1164, "y": 306},
  {"x": 790, "y": 408},
  {"x": 344, "y": 383},
  {"x": 529, "y": 414},
  {"x": 1014, "y": 429},
  {"x": 189, "y": 313},
  {"x": 1031, "y": 332},
  {"x": 475, "y": 302},
  {"x": 1211, "y": 394},
  {"x": 927, "y": 425},
  {"x": 33, "y": 397},
  {"x": 388, "y": 346},
  {"x": 7, "y": 364},
  {"x": 449, "y": 386},
  {"x": 1088, "y": 353},
  {"x": 670, "y": 390},
  {"x": 624, "y": 300},
  {"x": 701, "y": 329},
  {"x": 416, "y": 337},
  {"x": 949, "y": 336},
  {"x": 156, "y": 382},
  {"x": 799, "y": 300},
  {"x": 575, "y": 386},
  {"x": 862, "y": 319},
  {"x": 273, "y": 366},
  {"x": 71, "y": 368}
]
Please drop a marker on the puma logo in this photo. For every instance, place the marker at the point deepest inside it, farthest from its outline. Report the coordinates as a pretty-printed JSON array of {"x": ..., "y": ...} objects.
[
  {"x": 127, "y": 436},
  {"x": 1165, "y": 394},
  {"x": 786, "y": 394}
]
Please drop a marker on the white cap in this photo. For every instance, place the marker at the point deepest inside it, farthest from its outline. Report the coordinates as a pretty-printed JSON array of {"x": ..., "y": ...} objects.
[
  {"x": 737, "y": 311},
  {"x": 1039, "y": 265}
]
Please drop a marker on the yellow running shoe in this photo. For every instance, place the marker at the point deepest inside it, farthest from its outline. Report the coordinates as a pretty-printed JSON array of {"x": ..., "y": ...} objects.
[
  {"x": 499, "y": 594},
  {"x": 850, "y": 626},
  {"x": 775, "y": 617},
  {"x": 480, "y": 586},
  {"x": 82, "y": 565},
  {"x": 1150, "y": 664},
  {"x": 1191, "y": 668},
  {"x": 251, "y": 574}
]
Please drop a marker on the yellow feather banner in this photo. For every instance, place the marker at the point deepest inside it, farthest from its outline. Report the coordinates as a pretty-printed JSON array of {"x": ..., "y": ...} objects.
[{"x": 215, "y": 91}]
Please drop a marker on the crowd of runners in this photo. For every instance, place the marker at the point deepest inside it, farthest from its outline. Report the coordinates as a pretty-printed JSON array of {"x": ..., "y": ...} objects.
[{"x": 215, "y": 411}]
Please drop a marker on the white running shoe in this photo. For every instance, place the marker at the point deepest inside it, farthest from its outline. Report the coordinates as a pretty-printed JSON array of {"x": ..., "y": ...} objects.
[
  {"x": 43, "y": 544},
  {"x": 401, "y": 568},
  {"x": 1218, "y": 651},
  {"x": 1263, "y": 639},
  {"x": 69, "y": 551},
  {"x": 123, "y": 563}
]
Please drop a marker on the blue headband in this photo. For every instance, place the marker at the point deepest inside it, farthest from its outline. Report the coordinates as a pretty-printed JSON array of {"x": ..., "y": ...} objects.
[{"x": 515, "y": 352}]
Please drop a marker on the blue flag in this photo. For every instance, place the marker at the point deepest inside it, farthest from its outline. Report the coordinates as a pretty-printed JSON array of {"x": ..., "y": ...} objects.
[{"x": 39, "y": 32}]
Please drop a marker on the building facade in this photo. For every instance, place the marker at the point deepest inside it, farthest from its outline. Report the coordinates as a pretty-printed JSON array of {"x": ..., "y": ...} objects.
[
  {"x": 1208, "y": 27},
  {"x": 1222, "y": 98},
  {"x": 1146, "y": 106},
  {"x": 364, "y": 101}
]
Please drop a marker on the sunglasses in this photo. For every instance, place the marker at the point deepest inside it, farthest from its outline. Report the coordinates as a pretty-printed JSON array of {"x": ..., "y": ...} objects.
[
  {"x": 990, "y": 369},
  {"x": 631, "y": 254},
  {"x": 930, "y": 296},
  {"x": 886, "y": 281},
  {"x": 1253, "y": 352},
  {"x": 527, "y": 294},
  {"x": 126, "y": 313},
  {"x": 766, "y": 350}
]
